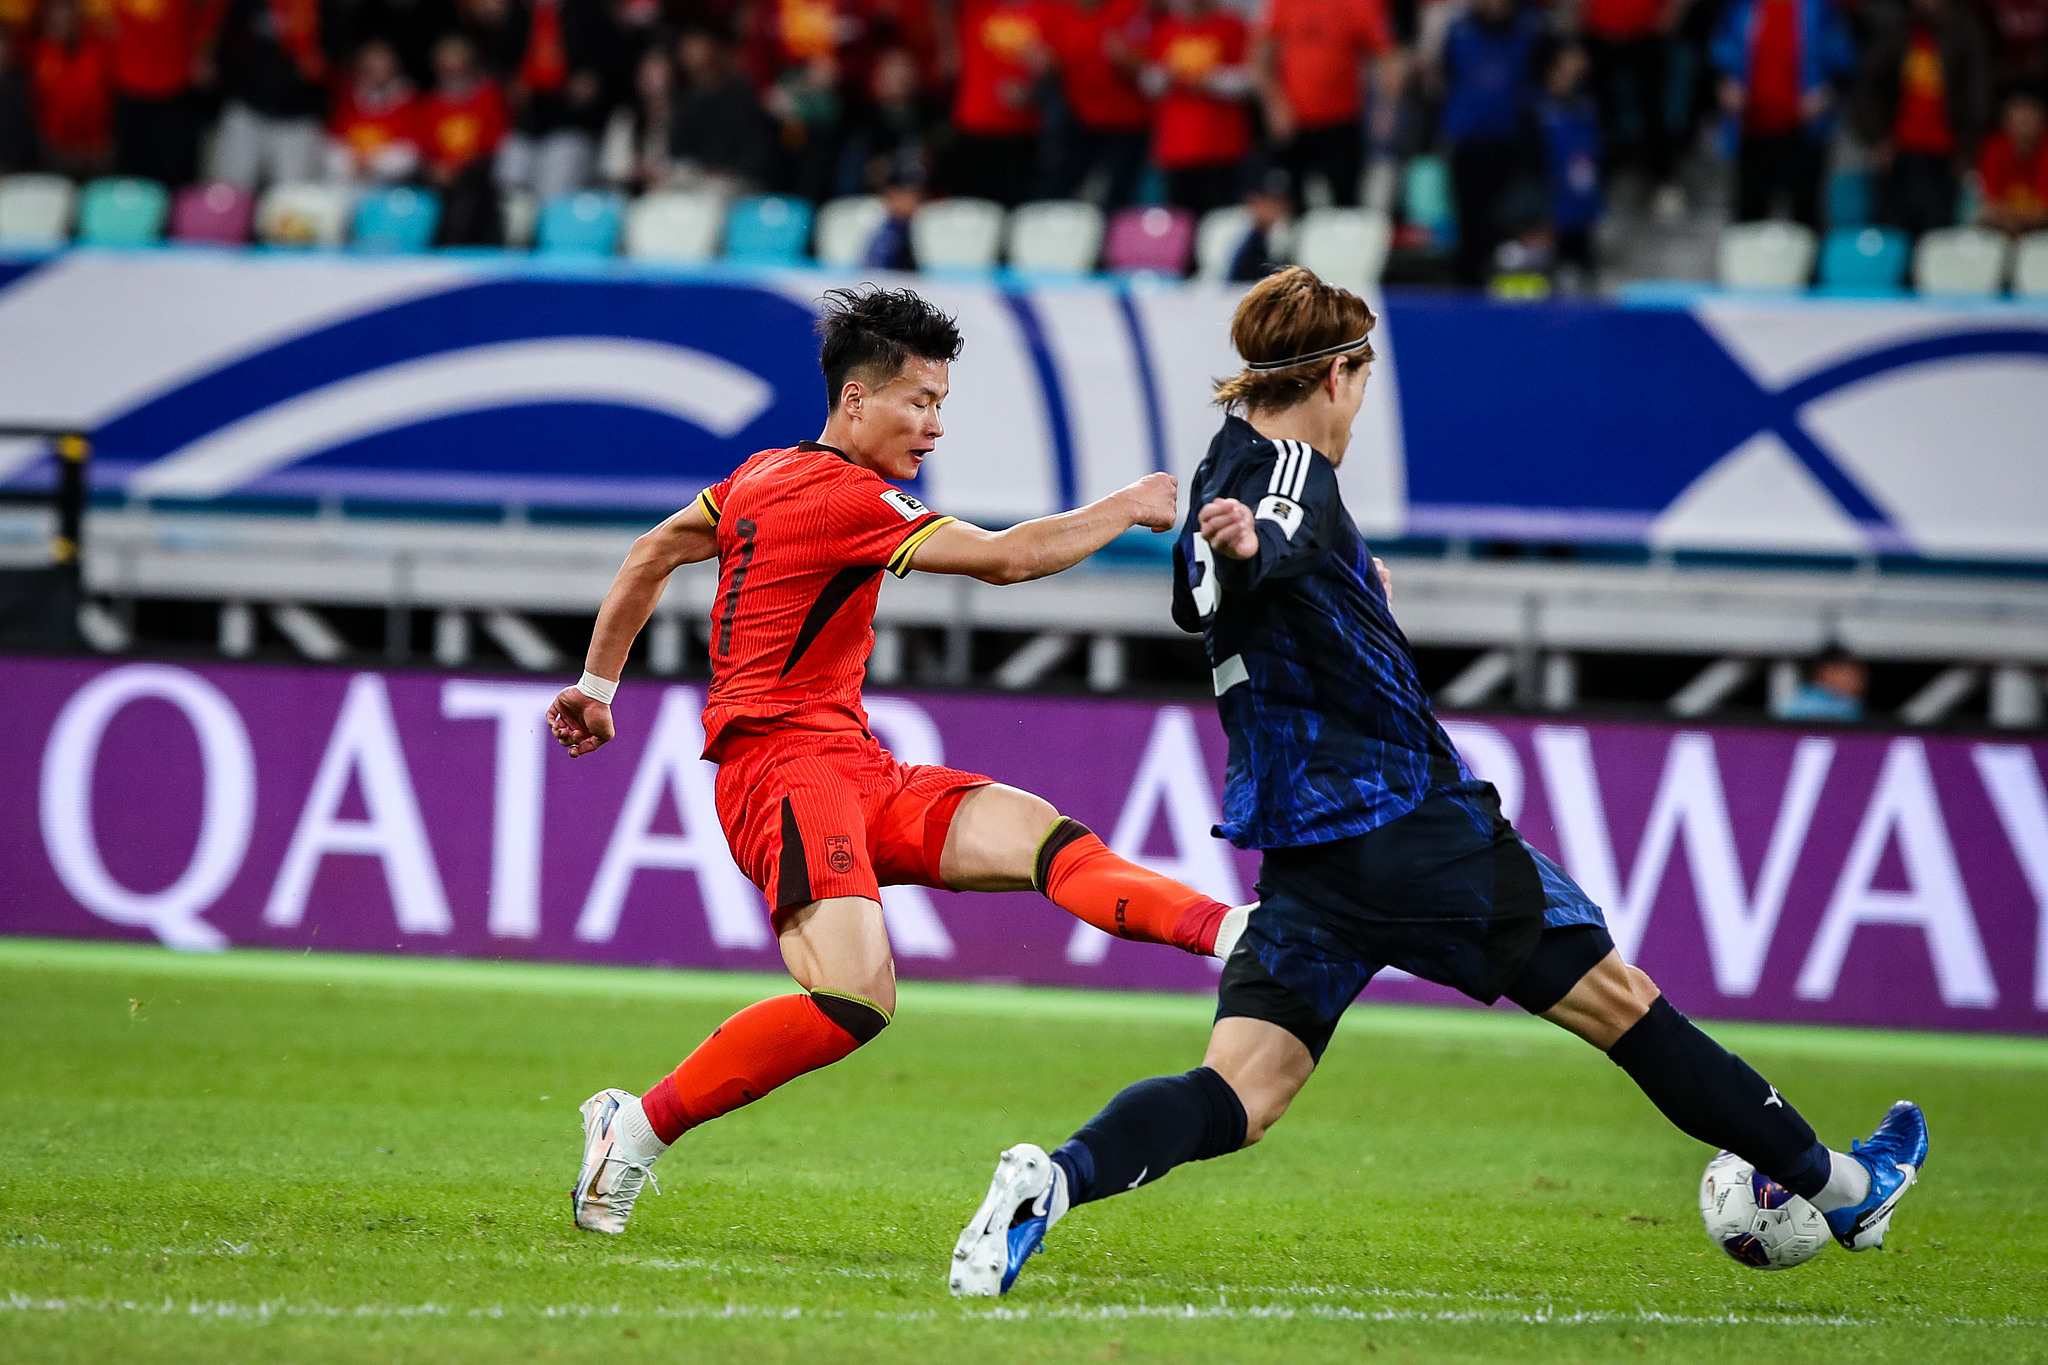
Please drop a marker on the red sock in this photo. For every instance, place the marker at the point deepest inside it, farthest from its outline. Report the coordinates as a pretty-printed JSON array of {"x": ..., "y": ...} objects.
[
  {"x": 759, "y": 1048},
  {"x": 1078, "y": 873}
]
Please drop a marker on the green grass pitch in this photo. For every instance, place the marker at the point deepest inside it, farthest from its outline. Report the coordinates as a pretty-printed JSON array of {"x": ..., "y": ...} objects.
[{"x": 269, "y": 1157}]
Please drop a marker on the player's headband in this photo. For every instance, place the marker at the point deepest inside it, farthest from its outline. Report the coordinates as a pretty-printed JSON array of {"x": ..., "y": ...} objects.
[{"x": 1268, "y": 366}]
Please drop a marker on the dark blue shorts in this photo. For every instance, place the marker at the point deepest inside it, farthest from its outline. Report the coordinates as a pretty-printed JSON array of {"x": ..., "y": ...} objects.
[{"x": 1448, "y": 892}]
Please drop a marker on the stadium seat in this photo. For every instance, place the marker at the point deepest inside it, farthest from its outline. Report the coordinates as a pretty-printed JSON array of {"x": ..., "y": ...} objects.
[
  {"x": 216, "y": 213},
  {"x": 401, "y": 219},
  {"x": 1849, "y": 198},
  {"x": 1221, "y": 233},
  {"x": 957, "y": 234},
  {"x": 1055, "y": 237},
  {"x": 519, "y": 214},
  {"x": 1771, "y": 255},
  {"x": 582, "y": 224},
  {"x": 769, "y": 229},
  {"x": 2030, "y": 267},
  {"x": 1344, "y": 246},
  {"x": 1155, "y": 240},
  {"x": 122, "y": 211},
  {"x": 1426, "y": 197},
  {"x": 1961, "y": 260},
  {"x": 303, "y": 215},
  {"x": 35, "y": 210},
  {"x": 675, "y": 225},
  {"x": 846, "y": 227},
  {"x": 1863, "y": 260}
]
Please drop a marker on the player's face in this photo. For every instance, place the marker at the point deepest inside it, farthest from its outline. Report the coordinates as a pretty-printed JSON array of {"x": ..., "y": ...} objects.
[{"x": 898, "y": 423}]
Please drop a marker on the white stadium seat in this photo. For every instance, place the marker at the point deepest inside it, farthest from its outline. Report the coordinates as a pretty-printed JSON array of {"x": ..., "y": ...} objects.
[
  {"x": 845, "y": 227},
  {"x": 2030, "y": 267},
  {"x": 958, "y": 234},
  {"x": 1960, "y": 260},
  {"x": 35, "y": 210},
  {"x": 1221, "y": 233},
  {"x": 1770, "y": 255},
  {"x": 675, "y": 225},
  {"x": 303, "y": 215},
  {"x": 521, "y": 217},
  {"x": 1056, "y": 237},
  {"x": 1347, "y": 247}
]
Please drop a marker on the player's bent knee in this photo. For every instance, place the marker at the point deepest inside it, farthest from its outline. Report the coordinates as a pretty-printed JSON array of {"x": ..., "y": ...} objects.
[{"x": 862, "y": 1019}]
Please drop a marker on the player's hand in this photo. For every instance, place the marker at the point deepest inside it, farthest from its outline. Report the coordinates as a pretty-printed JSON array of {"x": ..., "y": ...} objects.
[
  {"x": 1379, "y": 566},
  {"x": 580, "y": 723},
  {"x": 1227, "y": 525},
  {"x": 1152, "y": 500}
]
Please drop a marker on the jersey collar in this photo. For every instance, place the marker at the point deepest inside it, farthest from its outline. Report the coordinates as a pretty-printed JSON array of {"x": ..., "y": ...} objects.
[{"x": 830, "y": 450}]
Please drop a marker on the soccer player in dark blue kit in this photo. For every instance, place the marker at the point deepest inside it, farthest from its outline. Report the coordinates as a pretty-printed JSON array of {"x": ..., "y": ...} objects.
[{"x": 1381, "y": 850}]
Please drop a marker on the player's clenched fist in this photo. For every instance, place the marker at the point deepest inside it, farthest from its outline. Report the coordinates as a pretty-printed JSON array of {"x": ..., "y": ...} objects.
[
  {"x": 580, "y": 723},
  {"x": 1226, "y": 524},
  {"x": 1152, "y": 501}
]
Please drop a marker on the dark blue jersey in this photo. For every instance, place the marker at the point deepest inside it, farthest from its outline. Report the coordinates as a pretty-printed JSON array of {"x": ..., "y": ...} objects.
[{"x": 1330, "y": 731}]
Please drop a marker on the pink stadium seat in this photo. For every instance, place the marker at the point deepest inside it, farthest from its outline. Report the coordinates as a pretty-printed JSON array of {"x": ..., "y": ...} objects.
[
  {"x": 1155, "y": 238},
  {"x": 212, "y": 213}
]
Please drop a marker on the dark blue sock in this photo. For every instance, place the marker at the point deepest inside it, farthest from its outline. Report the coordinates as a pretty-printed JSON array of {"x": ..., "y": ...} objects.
[
  {"x": 1713, "y": 1095},
  {"x": 1149, "y": 1129}
]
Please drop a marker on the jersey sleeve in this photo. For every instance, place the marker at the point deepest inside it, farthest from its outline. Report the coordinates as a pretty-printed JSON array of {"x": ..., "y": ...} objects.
[
  {"x": 1291, "y": 497},
  {"x": 712, "y": 500},
  {"x": 873, "y": 523}
]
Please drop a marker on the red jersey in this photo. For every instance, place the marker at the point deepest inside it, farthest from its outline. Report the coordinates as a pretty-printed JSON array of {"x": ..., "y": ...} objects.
[
  {"x": 2012, "y": 181},
  {"x": 367, "y": 127},
  {"x": 803, "y": 537},
  {"x": 1318, "y": 47},
  {"x": 996, "y": 40},
  {"x": 1104, "y": 95},
  {"x": 456, "y": 131},
  {"x": 155, "y": 44},
  {"x": 74, "y": 97},
  {"x": 1922, "y": 124},
  {"x": 1773, "y": 104},
  {"x": 1192, "y": 127}
]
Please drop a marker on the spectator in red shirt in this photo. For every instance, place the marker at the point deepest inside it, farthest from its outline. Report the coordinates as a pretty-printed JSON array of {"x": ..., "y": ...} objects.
[
  {"x": 1201, "y": 76},
  {"x": 461, "y": 126},
  {"x": 558, "y": 89},
  {"x": 162, "y": 54},
  {"x": 1779, "y": 61},
  {"x": 1921, "y": 103},
  {"x": 1312, "y": 57},
  {"x": 2012, "y": 170},
  {"x": 74, "y": 95},
  {"x": 1004, "y": 54},
  {"x": 373, "y": 132},
  {"x": 1630, "y": 43},
  {"x": 1100, "y": 47}
]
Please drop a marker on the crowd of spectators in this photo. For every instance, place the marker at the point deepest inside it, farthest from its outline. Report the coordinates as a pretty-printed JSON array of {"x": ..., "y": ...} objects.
[{"x": 1533, "y": 108}]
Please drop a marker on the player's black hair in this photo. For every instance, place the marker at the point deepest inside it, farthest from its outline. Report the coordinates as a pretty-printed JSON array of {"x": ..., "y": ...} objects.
[{"x": 869, "y": 332}]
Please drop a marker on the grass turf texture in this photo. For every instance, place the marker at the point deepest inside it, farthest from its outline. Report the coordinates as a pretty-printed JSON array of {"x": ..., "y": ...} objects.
[{"x": 270, "y": 1157}]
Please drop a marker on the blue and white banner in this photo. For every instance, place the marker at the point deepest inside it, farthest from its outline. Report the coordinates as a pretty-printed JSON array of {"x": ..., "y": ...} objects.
[{"x": 1749, "y": 425}]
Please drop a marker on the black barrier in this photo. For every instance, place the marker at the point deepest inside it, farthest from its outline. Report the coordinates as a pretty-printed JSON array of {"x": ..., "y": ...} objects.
[{"x": 39, "y": 607}]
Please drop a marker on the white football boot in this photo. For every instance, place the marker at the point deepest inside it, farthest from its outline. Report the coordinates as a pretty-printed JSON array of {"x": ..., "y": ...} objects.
[
  {"x": 1027, "y": 1196},
  {"x": 609, "y": 1181}
]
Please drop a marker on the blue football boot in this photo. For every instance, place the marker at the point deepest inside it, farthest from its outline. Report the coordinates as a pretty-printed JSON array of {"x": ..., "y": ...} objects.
[
  {"x": 1894, "y": 1156},
  {"x": 1027, "y": 1196}
]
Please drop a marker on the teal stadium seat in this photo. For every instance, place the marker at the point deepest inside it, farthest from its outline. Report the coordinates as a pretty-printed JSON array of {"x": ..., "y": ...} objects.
[
  {"x": 123, "y": 211},
  {"x": 1426, "y": 198},
  {"x": 1865, "y": 260},
  {"x": 397, "y": 220},
  {"x": 769, "y": 229},
  {"x": 1849, "y": 197},
  {"x": 582, "y": 224}
]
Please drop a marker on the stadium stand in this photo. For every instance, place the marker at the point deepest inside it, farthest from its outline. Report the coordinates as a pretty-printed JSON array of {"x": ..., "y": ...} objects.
[
  {"x": 1865, "y": 260},
  {"x": 845, "y": 227},
  {"x": 770, "y": 229},
  {"x": 583, "y": 224},
  {"x": 1961, "y": 261},
  {"x": 675, "y": 225},
  {"x": 1767, "y": 255},
  {"x": 1344, "y": 246},
  {"x": 399, "y": 220},
  {"x": 1221, "y": 232},
  {"x": 958, "y": 234},
  {"x": 1427, "y": 199},
  {"x": 1055, "y": 237},
  {"x": 122, "y": 211},
  {"x": 35, "y": 210}
]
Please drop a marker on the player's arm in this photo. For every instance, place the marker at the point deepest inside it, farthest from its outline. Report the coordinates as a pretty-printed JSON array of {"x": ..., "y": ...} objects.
[
  {"x": 1035, "y": 549},
  {"x": 1233, "y": 532},
  {"x": 582, "y": 722}
]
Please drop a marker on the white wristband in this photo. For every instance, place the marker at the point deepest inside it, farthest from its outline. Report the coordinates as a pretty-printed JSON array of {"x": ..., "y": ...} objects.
[{"x": 596, "y": 688}]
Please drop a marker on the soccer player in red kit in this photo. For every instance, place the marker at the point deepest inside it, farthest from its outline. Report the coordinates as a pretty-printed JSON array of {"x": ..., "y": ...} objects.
[{"x": 818, "y": 815}]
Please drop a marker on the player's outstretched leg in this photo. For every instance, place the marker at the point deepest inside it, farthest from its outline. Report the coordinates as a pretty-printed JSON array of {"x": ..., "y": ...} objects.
[
  {"x": 1146, "y": 1131},
  {"x": 829, "y": 946},
  {"x": 1711, "y": 1094},
  {"x": 1003, "y": 839}
]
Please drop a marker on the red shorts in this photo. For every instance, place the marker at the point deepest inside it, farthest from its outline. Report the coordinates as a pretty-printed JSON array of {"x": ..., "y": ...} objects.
[{"x": 812, "y": 815}]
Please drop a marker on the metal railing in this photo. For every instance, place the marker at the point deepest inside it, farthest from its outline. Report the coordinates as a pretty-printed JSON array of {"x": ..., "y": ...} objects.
[{"x": 73, "y": 449}]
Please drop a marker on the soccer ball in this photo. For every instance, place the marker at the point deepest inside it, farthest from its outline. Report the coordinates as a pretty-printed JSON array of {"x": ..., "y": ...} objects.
[{"x": 1755, "y": 1219}]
